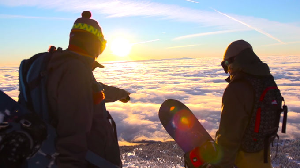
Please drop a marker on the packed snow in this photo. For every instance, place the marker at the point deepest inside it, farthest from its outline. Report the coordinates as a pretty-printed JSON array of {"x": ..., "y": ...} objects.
[{"x": 168, "y": 154}]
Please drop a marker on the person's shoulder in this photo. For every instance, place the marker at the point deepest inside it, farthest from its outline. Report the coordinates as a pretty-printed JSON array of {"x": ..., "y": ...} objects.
[
  {"x": 68, "y": 61},
  {"x": 69, "y": 68},
  {"x": 239, "y": 86}
]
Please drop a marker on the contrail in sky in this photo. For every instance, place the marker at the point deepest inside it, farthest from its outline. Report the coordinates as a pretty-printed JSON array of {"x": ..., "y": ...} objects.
[
  {"x": 294, "y": 42},
  {"x": 192, "y": 45},
  {"x": 146, "y": 41},
  {"x": 205, "y": 34},
  {"x": 260, "y": 31}
]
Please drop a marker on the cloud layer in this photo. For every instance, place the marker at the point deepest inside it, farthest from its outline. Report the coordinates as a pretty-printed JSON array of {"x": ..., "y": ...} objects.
[{"x": 199, "y": 83}]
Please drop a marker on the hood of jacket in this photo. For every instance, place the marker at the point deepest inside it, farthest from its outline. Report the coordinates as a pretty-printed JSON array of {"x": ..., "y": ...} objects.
[
  {"x": 60, "y": 58},
  {"x": 248, "y": 62}
]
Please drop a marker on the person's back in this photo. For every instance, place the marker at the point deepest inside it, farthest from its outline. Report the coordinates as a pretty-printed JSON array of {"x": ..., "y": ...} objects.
[{"x": 85, "y": 137}]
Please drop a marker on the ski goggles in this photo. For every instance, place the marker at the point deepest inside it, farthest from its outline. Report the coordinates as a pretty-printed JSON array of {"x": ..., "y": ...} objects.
[{"x": 226, "y": 62}]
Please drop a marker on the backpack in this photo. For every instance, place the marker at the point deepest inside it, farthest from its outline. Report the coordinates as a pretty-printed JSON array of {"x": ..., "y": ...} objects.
[
  {"x": 33, "y": 95},
  {"x": 21, "y": 132},
  {"x": 33, "y": 76},
  {"x": 25, "y": 125},
  {"x": 264, "y": 121}
]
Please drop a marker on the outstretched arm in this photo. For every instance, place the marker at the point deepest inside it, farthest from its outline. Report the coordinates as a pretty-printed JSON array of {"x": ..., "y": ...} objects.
[{"x": 113, "y": 94}]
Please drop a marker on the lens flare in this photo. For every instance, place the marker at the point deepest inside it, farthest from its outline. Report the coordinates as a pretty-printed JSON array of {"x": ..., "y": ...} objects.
[
  {"x": 183, "y": 120},
  {"x": 172, "y": 108},
  {"x": 208, "y": 152}
]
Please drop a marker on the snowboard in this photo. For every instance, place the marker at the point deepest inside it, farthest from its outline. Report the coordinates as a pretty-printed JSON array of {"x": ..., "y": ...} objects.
[{"x": 183, "y": 126}]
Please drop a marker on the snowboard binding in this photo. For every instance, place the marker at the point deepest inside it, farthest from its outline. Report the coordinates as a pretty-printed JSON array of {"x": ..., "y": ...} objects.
[{"x": 202, "y": 155}]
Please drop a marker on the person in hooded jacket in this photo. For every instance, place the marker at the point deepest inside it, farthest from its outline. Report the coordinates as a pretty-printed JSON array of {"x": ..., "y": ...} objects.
[
  {"x": 85, "y": 135},
  {"x": 237, "y": 104}
]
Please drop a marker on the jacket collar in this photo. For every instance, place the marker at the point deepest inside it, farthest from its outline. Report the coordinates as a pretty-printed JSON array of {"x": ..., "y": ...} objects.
[{"x": 236, "y": 76}]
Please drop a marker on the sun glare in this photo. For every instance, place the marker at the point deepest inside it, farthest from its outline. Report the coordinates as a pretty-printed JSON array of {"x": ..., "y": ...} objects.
[{"x": 120, "y": 47}]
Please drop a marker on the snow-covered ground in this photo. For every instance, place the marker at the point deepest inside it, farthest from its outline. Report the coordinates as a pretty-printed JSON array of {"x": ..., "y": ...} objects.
[
  {"x": 288, "y": 154},
  {"x": 168, "y": 154}
]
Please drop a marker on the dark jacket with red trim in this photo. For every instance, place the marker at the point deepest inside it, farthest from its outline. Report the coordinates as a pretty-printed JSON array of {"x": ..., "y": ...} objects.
[
  {"x": 237, "y": 107},
  {"x": 80, "y": 121}
]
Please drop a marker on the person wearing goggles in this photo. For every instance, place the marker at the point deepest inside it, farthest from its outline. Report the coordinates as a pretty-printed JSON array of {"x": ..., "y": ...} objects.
[{"x": 240, "y": 62}]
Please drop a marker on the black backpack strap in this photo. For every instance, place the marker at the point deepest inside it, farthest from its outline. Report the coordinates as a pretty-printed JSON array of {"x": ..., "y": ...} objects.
[
  {"x": 267, "y": 142},
  {"x": 33, "y": 84},
  {"x": 285, "y": 111},
  {"x": 266, "y": 149},
  {"x": 38, "y": 80},
  {"x": 25, "y": 66},
  {"x": 113, "y": 124},
  {"x": 277, "y": 146}
]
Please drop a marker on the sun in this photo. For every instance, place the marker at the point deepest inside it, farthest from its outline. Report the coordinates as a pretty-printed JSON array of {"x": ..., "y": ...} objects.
[{"x": 120, "y": 47}]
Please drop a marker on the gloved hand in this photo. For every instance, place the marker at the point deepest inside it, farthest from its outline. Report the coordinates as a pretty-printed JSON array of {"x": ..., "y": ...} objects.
[
  {"x": 96, "y": 65},
  {"x": 125, "y": 100}
]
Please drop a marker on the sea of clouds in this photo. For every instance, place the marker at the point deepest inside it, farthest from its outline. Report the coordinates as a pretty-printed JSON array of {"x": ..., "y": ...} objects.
[{"x": 199, "y": 83}]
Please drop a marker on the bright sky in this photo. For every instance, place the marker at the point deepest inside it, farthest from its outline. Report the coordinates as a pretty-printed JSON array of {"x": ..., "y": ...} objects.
[{"x": 152, "y": 29}]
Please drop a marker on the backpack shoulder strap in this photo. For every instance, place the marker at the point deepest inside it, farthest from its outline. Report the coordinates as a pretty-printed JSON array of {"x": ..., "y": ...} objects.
[
  {"x": 33, "y": 78},
  {"x": 42, "y": 64},
  {"x": 24, "y": 67},
  {"x": 258, "y": 112},
  {"x": 284, "y": 120}
]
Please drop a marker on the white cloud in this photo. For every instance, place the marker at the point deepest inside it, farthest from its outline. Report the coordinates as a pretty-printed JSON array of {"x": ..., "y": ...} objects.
[
  {"x": 31, "y": 17},
  {"x": 128, "y": 8},
  {"x": 199, "y": 83},
  {"x": 192, "y": 1}
]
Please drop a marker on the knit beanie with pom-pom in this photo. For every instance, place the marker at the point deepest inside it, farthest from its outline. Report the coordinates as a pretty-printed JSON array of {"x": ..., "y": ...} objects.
[{"x": 86, "y": 37}]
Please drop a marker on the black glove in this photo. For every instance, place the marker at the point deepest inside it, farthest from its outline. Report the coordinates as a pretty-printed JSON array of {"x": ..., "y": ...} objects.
[
  {"x": 125, "y": 100},
  {"x": 96, "y": 65}
]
